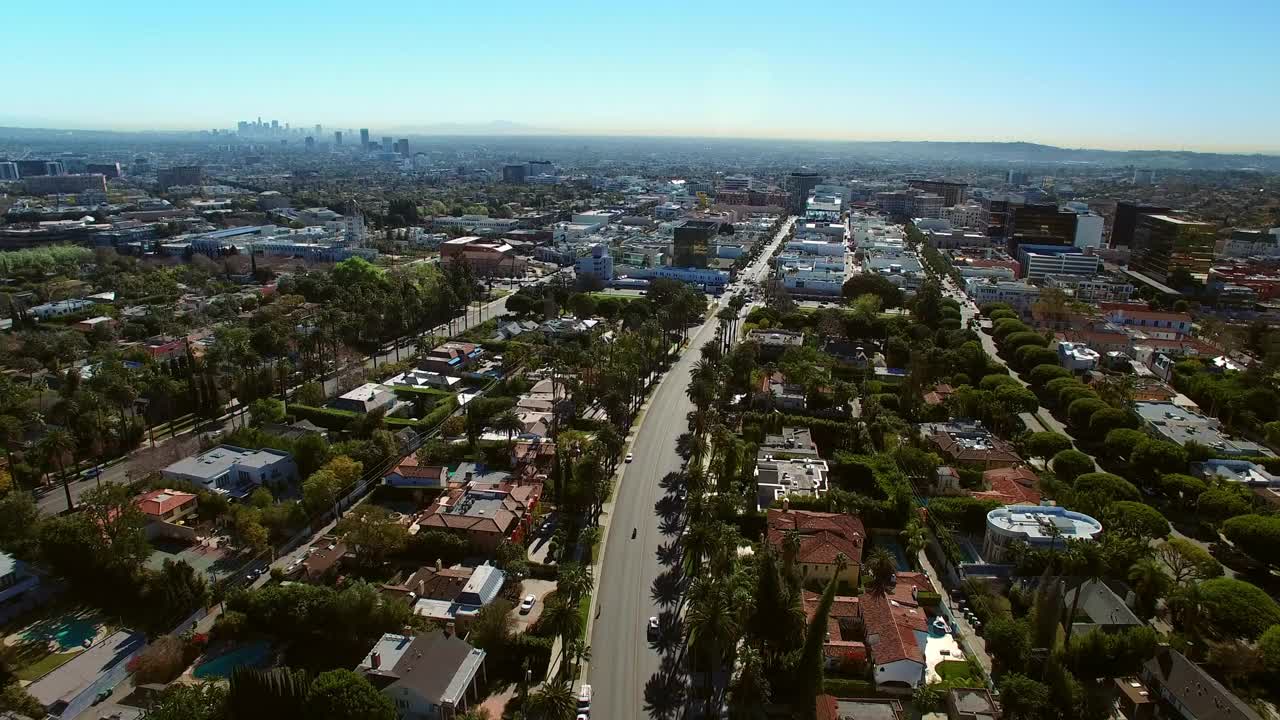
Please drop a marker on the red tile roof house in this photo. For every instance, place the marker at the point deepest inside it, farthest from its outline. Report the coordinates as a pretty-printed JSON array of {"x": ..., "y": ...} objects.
[
  {"x": 823, "y": 536},
  {"x": 967, "y": 442},
  {"x": 897, "y": 629},
  {"x": 164, "y": 509},
  {"x": 409, "y": 474},
  {"x": 1010, "y": 486},
  {"x": 841, "y": 621},
  {"x": 939, "y": 394},
  {"x": 485, "y": 513}
]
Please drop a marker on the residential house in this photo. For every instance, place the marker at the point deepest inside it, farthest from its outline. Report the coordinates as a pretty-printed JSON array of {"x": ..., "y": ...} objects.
[
  {"x": 323, "y": 558},
  {"x": 451, "y": 358},
  {"x": 295, "y": 430},
  {"x": 858, "y": 353},
  {"x": 481, "y": 587},
  {"x": 424, "y": 379},
  {"x": 430, "y": 583},
  {"x": 486, "y": 513},
  {"x": 234, "y": 471},
  {"x": 823, "y": 537},
  {"x": 831, "y": 707},
  {"x": 790, "y": 443},
  {"x": 776, "y": 393},
  {"x": 1188, "y": 692},
  {"x": 939, "y": 394},
  {"x": 1010, "y": 486},
  {"x": 773, "y": 343},
  {"x": 366, "y": 398},
  {"x": 897, "y": 631},
  {"x": 433, "y": 676},
  {"x": 16, "y": 583},
  {"x": 1155, "y": 323},
  {"x": 1038, "y": 526},
  {"x": 165, "y": 511},
  {"x": 1134, "y": 700},
  {"x": 409, "y": 473},
  {"x": 1106, "y": 610},
  {"x": 89, "y": 325},
  {"x": 840, "y": 649},
  {"x": 777, "y": 478},
  {"x": 971, "y": 704},
  {"x": 968, "y": 442},
  {"x": 1244, "y": 472},
  {"x": 1180, "y": 425}
]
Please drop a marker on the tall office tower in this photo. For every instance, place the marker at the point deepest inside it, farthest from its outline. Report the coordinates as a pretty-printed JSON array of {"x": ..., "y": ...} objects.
[
  {"x": 310, "y": 142},
  {"x": 692, "y": 243},
  {"x": 1126, "y": 220},
  {"x": 952, "y": 192},
  {"x": 318, "y": 130},
  {"x": 275, "y": 124},
  {"x": 540, "y": 167},
  {"x": 799, "y": 185},
  {"x": 515, "y": 174},
  {"x": 402, "y": 146},
  {"x": 337, "y": 137},
  {"x": 364, "y": 138},
  {"x": 1144, "y": 177},
  {"x": 1015, "y": 177},
  {"x": 1163, "y": 245},
  {"x": 1040, "y": 224},
  {"x": 386, "y": 144},
  {"x": 8, "y": 170}
]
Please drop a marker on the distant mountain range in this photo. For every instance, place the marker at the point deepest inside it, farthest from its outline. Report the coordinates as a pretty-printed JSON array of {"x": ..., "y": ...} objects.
[{"x": 991, "y": 153}]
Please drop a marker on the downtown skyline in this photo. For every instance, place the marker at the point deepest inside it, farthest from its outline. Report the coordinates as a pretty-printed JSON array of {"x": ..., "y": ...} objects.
[{"x": 1102, "y": 76}]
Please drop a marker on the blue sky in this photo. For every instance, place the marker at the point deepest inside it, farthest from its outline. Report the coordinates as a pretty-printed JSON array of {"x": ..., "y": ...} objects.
[{"x": 1117, "y": 74}]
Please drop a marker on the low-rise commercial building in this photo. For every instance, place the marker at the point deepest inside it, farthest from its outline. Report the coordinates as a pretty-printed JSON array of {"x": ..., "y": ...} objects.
[
  {"x": 1180, "y": 425},
  {"x": 234, "y": 471}
]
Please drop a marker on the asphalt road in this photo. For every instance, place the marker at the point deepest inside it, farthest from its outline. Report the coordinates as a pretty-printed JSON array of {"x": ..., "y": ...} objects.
[{"x": 622, "y": 658}]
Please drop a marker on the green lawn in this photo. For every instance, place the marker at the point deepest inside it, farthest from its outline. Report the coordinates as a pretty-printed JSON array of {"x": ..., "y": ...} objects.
[
  {"x": 954, "y": 670},
  {"x": 45, "y": 665}
]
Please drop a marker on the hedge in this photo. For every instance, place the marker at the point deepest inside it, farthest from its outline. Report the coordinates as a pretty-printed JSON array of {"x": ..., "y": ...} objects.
[
  {"x": 328, "y": 418},
  {"x": 844, "y": 688}
]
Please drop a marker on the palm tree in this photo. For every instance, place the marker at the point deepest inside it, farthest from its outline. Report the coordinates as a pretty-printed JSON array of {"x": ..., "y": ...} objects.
[
  {"x": 881, "y": 566},
  {"x": 713, "y": 627},
  {"x": 1150, "y": 583},
  {"x": 552, "y": 701},
  {"x": 509, "y": 423},
  {"x": 57, "y": 445}
]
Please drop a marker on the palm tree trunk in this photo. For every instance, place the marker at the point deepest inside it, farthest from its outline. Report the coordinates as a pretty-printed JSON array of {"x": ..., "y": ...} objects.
[{"x": 66, "y": 486}]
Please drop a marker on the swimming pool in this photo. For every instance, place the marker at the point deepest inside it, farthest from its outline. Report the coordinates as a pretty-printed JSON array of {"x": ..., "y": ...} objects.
[
  {"x": 69, "y": 631},
  {"x": 253, "y": 655},
  {"x": 894, "y": 548}
]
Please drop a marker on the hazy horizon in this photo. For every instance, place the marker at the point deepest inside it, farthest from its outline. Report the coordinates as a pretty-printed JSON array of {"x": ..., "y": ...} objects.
[{"x": 1104, "y": 76}]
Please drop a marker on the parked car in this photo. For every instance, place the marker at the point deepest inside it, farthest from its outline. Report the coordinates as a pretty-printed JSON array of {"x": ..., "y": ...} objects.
[
  {"x": 527, "y": 604},
  {"x": 630, "y": 457}
]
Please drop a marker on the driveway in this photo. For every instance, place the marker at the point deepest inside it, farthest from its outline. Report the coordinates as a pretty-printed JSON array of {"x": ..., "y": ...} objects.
[{"x": 539, "y": 589}]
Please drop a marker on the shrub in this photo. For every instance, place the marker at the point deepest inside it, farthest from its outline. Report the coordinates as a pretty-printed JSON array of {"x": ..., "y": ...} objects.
[
  {"x": 1081, "y": 411},
  {"x": 1112, "y": 487},
  {"x": 1070, "y": 464},
  {"x": 1235, "y": 608},
  {"x": 1135, "y": 520},
  {"x": 1042, "y": 374},
  {"x": 1258, "y": 536},
  {"x": 1045, "y": 444}
]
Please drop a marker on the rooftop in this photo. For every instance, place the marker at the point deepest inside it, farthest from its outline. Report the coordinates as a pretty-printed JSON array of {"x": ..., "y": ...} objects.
[{"x": 1043, "y": 522}]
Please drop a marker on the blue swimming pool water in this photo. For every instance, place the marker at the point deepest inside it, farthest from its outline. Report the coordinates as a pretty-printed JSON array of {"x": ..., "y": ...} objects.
[
  {"x": 69, "y": 632},
  {"x": 253, "y": 655},
  {"x": 894, "y": 548}
]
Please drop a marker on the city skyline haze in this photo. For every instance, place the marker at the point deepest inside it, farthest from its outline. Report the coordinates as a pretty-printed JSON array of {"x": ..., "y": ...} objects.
[{"x": 1134, "y": 75}]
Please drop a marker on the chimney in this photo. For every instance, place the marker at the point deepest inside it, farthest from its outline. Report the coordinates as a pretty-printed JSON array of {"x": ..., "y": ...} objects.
[
  {"x": 786, "y": 504},
  {"x": 439, "y": 564},
  {"x": 376, "y": 660}
]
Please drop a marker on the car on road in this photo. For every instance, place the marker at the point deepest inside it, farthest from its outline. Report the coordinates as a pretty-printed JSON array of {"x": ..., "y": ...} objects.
[
  {"x": 653, "y": 627},
  {"x": 527, "y": 604},
  {"x": 630, "y": 457}
]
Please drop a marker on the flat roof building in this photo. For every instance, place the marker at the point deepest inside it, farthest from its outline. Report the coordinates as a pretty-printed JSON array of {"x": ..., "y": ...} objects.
[
  {"x": 1038, "y": 526},
  {"x": 1163, "y": 245},
  {"x": 234, "y": 471}
]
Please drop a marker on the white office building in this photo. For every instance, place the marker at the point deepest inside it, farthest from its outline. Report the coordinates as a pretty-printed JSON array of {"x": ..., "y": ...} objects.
[{"x": 597, "y": 265}]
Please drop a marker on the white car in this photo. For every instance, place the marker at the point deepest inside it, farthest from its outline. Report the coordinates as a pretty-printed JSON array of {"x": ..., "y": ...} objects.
[
  {"x": 527, "y": 604},
  {"x": 630, "y": 457}
]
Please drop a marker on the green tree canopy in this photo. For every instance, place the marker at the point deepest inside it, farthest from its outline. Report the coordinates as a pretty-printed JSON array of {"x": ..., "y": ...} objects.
[
  {"x": 1070, "y": 464},
  {"x": 1235, "y": 608}
]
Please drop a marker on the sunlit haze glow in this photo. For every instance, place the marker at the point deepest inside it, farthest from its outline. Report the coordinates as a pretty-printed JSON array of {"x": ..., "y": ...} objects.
[{"x": 1130, "y": 74}]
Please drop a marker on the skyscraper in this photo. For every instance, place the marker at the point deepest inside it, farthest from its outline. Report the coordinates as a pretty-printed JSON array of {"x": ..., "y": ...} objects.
[
  {"x": 799, "y": 185},
  {"x": 364, "y": 138},
  {"x": 692, "y": 244},
  {"x": 952, "y": 192},
  {"x": 1164, "y": 245},
  {"x": 1127, "y": 219},
  {"x": 386, "y": 144},
  {"x": 337, "y": 137},
  {"x": 515, "y": 174},
  {"x": 1040, "y": 224}
]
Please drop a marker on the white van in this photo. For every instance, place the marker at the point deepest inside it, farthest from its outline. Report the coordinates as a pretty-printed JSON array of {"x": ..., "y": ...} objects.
[{"x": 584, "y": 699}]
